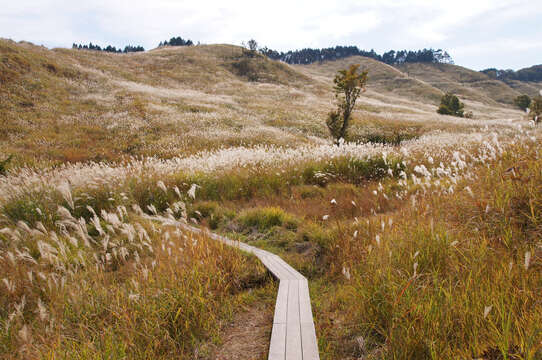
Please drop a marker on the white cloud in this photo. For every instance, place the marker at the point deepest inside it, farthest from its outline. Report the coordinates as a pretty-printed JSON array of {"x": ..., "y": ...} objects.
[{"x": 280, "y": 24}]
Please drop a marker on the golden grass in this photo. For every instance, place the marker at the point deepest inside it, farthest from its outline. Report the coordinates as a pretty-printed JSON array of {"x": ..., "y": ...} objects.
[
  {"x": 165, "y": 295},
  {"x": 69, "y": 106},
  {"x": 402, "y": 260}
]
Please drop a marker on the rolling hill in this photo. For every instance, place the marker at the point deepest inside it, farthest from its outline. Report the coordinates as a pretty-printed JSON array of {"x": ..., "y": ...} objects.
[
  {"x": 419, "y": 237},
  {"x": 470, "y": 84},
  {"x": 160, "y": 102}
]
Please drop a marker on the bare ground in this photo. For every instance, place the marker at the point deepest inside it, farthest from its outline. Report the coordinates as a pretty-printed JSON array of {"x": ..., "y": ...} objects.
[{"x": 247, "y": 337}]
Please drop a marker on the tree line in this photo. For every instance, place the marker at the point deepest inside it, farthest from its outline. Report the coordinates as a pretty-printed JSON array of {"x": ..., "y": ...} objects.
[
  {"x": 392, "y": 57},
  {"x": 108, "y": 48},
  {"x": 533, "y": 73},
  {"x": 176, "y": 41}
]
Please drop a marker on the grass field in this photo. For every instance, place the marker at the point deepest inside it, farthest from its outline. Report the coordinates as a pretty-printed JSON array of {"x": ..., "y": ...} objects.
[{"x": 421, "y": 237}]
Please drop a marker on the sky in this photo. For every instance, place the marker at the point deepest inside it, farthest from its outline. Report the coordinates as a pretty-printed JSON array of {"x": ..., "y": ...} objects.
[{"x": 478, "y": 34}]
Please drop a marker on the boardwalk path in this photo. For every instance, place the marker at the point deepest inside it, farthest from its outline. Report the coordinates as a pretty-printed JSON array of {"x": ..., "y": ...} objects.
[{"x": 293, "y": 336}]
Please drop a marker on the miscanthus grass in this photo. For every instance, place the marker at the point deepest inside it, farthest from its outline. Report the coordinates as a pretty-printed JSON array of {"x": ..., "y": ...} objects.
[
  {"x": 124, "y": 284},
  {"x": 93, "y": 260},
  {"x": 454, "y": 274}
]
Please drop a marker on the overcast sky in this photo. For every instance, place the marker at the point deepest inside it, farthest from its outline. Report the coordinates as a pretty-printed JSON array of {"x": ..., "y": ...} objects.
[{"x": 477, "y": 33}]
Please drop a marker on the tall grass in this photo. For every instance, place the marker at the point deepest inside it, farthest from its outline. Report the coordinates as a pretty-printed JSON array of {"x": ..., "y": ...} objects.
[
  {"x": 122, "y": 285},
  {"x": 452, "y": 277}
]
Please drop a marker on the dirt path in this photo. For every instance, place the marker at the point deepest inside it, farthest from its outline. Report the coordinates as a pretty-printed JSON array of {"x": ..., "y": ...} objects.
[{"x": 247, "y": 337}]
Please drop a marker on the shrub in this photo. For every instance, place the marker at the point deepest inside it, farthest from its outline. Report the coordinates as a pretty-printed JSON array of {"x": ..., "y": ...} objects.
[
  {"x": 388, "y": 139},
  {"x": 209, "y": 210},
  {"x": 315, "y": 234},
  {"x": 247, "y": 68},
  {"x": 523, "y": 102},
  {"x": 450, "y": 105}
]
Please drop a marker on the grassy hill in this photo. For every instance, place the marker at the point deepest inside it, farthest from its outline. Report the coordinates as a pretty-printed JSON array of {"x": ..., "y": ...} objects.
[
  {"x": 67, "y": 105},
  {"x": 420, "y": 236},
  {"x": 463, "y": 82},
  {"x": 382, "y": 78},
  {"x": 529, "y": 88},
  {"x": 117, "y": 105}
]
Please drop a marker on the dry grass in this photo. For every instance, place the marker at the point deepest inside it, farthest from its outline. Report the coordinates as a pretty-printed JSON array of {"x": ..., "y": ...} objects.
[
  {"x": 455, "y": 275},
  {"x": 402, "y": 260},
  {"x": 70, "y": 106},
  {"x": 463, "y": 82},
  {"x": 123, "y": 285}
]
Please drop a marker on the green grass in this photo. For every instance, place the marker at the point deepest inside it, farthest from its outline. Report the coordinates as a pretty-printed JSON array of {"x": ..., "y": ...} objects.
[{"x": 265, "y": 218}]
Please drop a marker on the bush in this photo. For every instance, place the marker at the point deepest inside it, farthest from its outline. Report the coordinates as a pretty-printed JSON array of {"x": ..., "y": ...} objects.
[
  {"x": 315, "y": 234},
  {"x": 209, "y": 210},
  {"x": 388, "y": 139},
  {"x": 247, "y": 68},
  {"x": 450, "y": 105},
  {"x": 523, "y": 102}
]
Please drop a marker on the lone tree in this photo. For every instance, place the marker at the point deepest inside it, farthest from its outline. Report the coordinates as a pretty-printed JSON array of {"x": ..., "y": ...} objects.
[
  {"x": 450, "y": 105},
  {"x": 349, "y": 84},
  {"x": 252, "y": 45},
  {"x": 523, "y": 102},
  {"x": 536, "y": 109}
]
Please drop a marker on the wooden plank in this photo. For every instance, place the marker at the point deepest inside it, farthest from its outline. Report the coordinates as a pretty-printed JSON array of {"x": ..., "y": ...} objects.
[
  {"x": 271, "y": 266},
  {"x": 277, "y": 346},
  {"x": 293, "y": 336},
  {"x": 281, "y": 305},
  {"x": 284, "y": 274},
  {"x": 294, "y": 274},
  {"x": 308, "y": 339},
  {"x": 293, "y": 302},
  {"x": 294, "y": 350},
  {"x": 305, "y": 310}
]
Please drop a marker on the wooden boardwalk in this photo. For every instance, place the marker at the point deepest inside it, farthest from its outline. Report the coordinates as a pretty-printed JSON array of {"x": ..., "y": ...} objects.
[{"x": 293, "y": 336}]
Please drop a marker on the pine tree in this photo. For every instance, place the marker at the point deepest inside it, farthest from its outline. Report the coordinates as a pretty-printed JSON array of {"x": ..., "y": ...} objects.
[{"x": 450, "y": 105}]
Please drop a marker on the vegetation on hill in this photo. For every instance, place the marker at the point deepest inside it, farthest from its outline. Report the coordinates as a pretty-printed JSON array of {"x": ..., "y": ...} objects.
[
  {"x": 533, "y": 74},
  {"x": 176, "y": 41},
  {"x": 108, "y": 48},
  {"x": 450, "y": 105},
  {"x": 523, "y": 102},
  {"x": 420, "y": 239},
  {"x": 348, "y": 86},
  {"x": 462, "y": 81},
  {"x": 308, "y": 56}
]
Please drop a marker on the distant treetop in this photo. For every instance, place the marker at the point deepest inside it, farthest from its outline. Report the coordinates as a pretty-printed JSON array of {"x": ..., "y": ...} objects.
[
  {"x": 392, "y": 57},
  {"x": 108, "y": 48},
  {"x": 533, "y": 73},
  {"x": 176, "y": 41}
]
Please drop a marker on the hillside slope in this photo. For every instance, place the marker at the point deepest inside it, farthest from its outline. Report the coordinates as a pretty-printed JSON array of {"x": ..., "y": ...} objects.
[
  {"x": 144, "y": 103},
  {"x": 66, "y": 105},
  {"x": 382, "y": 78},
  {"x": 462, "y": 81}
]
